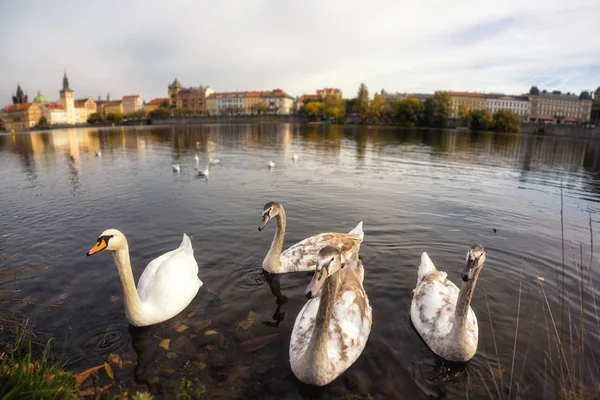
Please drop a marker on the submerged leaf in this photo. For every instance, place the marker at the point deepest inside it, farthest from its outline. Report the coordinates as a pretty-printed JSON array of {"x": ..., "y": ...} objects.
[
  {"x": 115, "y": 359},
  {"x": 93, "y": 391},
  {"x": 254, "y": 344},
  {"x": 79, "y": 378},
  {"x": 109, "y": 370},
  {"x": 165, "y": 343},
  {"x": 114, "y": 298},
  {"x": 191, "y": 314},
  {"x": 247, "y": 323},
  {"x": 541, "y": 278},
  {"x": 200, "y": 364},
  {"x": 182, "y": 328},
  {"x": 202, "y": 324},
  {"x": 210, "y": 332},
  {"x": 171, "y": 355},
  {"x": 498, "y": 372}
]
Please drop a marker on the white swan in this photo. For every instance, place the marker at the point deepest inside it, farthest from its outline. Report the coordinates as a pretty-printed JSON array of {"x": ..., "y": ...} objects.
[
  {"x": 166, "y": 287},
  {"x": 196, "y": 158},
  {"x": 204, "y": 172},
  {"x": 98, "y": 153},
  {"x": 303, "y": 255},
  {"x": 294, "y": 157},
  {"x": 271, "y": 164},
  {"x": 176, "y": 168},
  {"x": 213, "y": 161},
  {"x": 333, "y": 327},
  {"x": 442, "y": 313}
]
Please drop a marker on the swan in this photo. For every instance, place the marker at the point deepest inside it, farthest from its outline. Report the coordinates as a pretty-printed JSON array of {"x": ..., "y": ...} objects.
[
  {"x": 166, "y": 287},
  {"x": 303, "y": 255},
  {"x": 294, "y": 157},
  {"x": 442, "y": 314},
  {"x": 196, "y": 158},
  {"x": 333, "y": 327},
  {"x": 98, "y": 153},
  {"x": 271, "y": 164},
  {"x": 176, "y": 168},
  {"x": 214, "y": 161},
  {"x": 204, "y": 173}
]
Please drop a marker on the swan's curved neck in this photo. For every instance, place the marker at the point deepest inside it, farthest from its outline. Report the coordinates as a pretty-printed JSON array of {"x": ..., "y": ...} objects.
[
  {"x": 316, "y": 351},
  {"x": 462, "y": 306},
  {"x": 272, "y": 261},
  {"x": 133, "y": 304}
]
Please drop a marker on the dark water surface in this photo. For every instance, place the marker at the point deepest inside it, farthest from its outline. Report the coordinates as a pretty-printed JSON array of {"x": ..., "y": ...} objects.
[{"x": 415, "y": 190}]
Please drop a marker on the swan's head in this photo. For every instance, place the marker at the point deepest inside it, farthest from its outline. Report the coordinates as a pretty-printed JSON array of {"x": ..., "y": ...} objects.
[
  {"x": 110, "y": 239},
  {"x": 329, "y": 262},
  {"x": 270, "y": 210},
  {"x": 475, "y": 259}
]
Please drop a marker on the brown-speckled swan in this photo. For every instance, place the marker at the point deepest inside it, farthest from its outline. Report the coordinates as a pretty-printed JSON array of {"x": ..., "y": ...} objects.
[
  {"x": 333, "y": 327},
  {"x": 442, "y": 314},
  {"x": 303, "y": 255}
]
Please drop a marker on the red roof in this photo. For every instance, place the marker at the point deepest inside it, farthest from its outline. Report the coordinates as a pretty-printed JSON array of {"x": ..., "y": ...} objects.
[
  {"x": 19, "y": 106},
  {"x": 157, "y": 101},
  {"x": 132, "y": 96},
  {"x": 112, "y": 103},
  {"x": 466, "y": 94}
]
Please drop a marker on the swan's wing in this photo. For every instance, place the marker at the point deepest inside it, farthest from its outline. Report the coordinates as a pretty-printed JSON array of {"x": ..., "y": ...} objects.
[
  {"x": 303, "y": 255},
  {"x": 426, "y": 267},
  {"x": 433, "y": 304},
  {"x": 303, "y": 328},
  {"x": 351, "y": 324}
]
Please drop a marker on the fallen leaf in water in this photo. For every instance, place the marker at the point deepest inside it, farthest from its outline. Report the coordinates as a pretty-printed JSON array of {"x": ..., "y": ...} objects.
[
  {"x": 170, "y": 371},
  {"x": 171, "y": 355},
  {"x": 64, "y": 296},
  {"x": 47, "y": 267},
  {"x": 191, "y": 314},
  {"x": 247, "y": 323},
  {"x": 115, "y": 359},
  {"x": 165, "y": 343},
  {"x": 200, "y": 364},
  {"x": 182, "y": 328},
  {"x": 193, "y": 335},
  {"x": 109, "y": 370},
  {"x": 79, "y": 378},
  {"x": 210, "y": 332},
  {"x": 208, "y": 347},
  {"x": 202, "y": 324},
  {"x": 92, "y": 391},
  {"x": 127, "y": 362},
  {"x": 541, "y": 278},
  {"x": 254, "y": 344},
  {"x": 114, "y": 299},
  {"x": 498, "y": 372}
]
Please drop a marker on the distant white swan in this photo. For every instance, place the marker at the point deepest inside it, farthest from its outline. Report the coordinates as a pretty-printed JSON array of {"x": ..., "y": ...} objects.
[
  {"x": 214, "y": 161},
  {"x": 295, "y": 157},
  {"x": 197, "y": 158},
  {"x": 271, "y": 164},
  {"x": 176, "y": 168},
  {"x": 204, "y": 172},
  {"x": 98, "y": 153},
  {"x": 165, "y": 288}
]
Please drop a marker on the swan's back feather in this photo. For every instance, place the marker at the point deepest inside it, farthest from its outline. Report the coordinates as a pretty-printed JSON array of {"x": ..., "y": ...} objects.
[{"x": 426, "y": 267}]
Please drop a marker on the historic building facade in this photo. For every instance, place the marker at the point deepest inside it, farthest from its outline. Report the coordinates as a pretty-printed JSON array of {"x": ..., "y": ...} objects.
[
  {"x": 595, "y": 112},
  {"x": 193, "y": 99},
  {"x": 20, "y": 116},
  {"x": 131, "y": 104},
  {"x": 252, "y": 102},
  {"x": 518, "y": 104},
  {"x": 154, "y": 104},
  {"x": 558, "y": 107},
  {"x": 466, "y": 100}
]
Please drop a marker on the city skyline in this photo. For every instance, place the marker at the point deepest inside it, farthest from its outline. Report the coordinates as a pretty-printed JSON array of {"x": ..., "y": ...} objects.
[{"x": 481, "y": 46}]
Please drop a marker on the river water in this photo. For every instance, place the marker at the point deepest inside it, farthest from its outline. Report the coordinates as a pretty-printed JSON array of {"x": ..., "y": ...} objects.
[{"x": 415, "y": 190}]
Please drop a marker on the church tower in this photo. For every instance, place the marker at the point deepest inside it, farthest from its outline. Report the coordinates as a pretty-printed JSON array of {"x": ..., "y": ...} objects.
[
  {"x": 67, "y": 100},
  {"x": 20, "y": 97}
]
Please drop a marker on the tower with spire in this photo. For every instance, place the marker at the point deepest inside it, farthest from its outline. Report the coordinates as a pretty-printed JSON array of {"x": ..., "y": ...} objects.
[
  {"x": 20, "y": 96},
  {"x": 67, "y": 100}
]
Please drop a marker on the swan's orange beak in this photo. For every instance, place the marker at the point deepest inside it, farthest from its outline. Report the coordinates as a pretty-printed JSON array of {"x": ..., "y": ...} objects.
[{"x": 99, "y": 246}]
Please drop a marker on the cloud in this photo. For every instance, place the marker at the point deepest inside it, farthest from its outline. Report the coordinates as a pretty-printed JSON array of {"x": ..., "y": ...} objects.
[{"x": 141, "y": 46}]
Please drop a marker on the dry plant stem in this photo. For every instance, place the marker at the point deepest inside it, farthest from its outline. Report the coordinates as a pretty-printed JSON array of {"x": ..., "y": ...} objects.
[
  {"x": 512, "y": 366},
  {"x": 493, "y": 339},
  {"x": 527, "y": 350},
  {"x": 562, "y": 245}
]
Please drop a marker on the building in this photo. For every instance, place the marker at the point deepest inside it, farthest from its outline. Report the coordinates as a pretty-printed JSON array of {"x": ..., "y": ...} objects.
[
  {"x": 20, "y": 97},
  {"x": 67, "y": 101},
  {"x": 595, "y": 112},
  {"x": 470, "y": 100},
  {"x": 193, "y": 99},
  {"x": 329, "y": 92},
  {"x": 112, "y": 107},
  {"x": 517, "y": 104},
  {"x": 21, "y": 116},
  {"x": 40, "y": 98},
  {"x": 154, "y": 104},
  {"x": 54, "y": 113},
  {"x": 559, "y": 108},
  {"x": 131, "y": 104},
  {"x": 251, "y": 102},
  {"x": 318, "y": 96}
]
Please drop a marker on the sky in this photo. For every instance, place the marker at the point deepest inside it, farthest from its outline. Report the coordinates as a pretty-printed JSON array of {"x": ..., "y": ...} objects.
[{"x": 139, "y": 47}]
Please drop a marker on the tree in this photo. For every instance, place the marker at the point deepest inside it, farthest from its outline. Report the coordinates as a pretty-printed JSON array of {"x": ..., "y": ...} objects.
[
  {"x": 161, "y": 112},
  {"x": 585, "y": 95},
  {"x": 442, "y": 106},
  {"x": 351, "y": 106},
  {"x": 481, "y": 120},
  {"x": 410, "y": 111},
  {"x": 375, "y": 110},
  {"x": 313, "y": 109},
  {"x": 164, "y": 104},
  {"x": 534, "y": 91},
  {"x": 463, "y": 114},
  {"x": 94, "y": 118},
  {"x": 139, "y": 114},
  {"x": 115, "y": 117},
  {"x": 362, "y": 98},
  {"x": 507, "y": 121},
  {"x": 43, "y": 122},
  {"x": 333, "y": 106},
  {"x": 428, "y": 118}
]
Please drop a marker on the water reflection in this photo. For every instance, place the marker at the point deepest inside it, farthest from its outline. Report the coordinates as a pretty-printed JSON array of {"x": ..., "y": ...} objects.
[{"x": 274, "y": 284}]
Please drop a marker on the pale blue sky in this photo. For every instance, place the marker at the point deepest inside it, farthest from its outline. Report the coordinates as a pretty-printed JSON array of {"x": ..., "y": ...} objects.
[{"x": 128, "y": 47}]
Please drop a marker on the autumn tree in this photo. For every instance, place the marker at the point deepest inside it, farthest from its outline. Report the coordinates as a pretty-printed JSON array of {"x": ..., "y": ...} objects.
[
  {"x": 375, "y": 109},
  {"x": 94, "y": 118},
  {"x": 313, "y": 109},
  {"x": 507, "y": 121},
  {"x": 481, "y": 120},
  {"x": 161, "y": 112},
  {"x": 442, "y": 108},
  {"x": 43, "y": 122},
  {"x": 333, "y": 106},
  {"x": 115, "y": 117},
  {"x": 164, "y": 104},
  {"x": 410, "y": 110},
  {"x": 351, "y": 106},
  {"x": 362, "y": 99},
  {"x": 534, "y": 91},
  {"x": 464, "y": 114}
]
